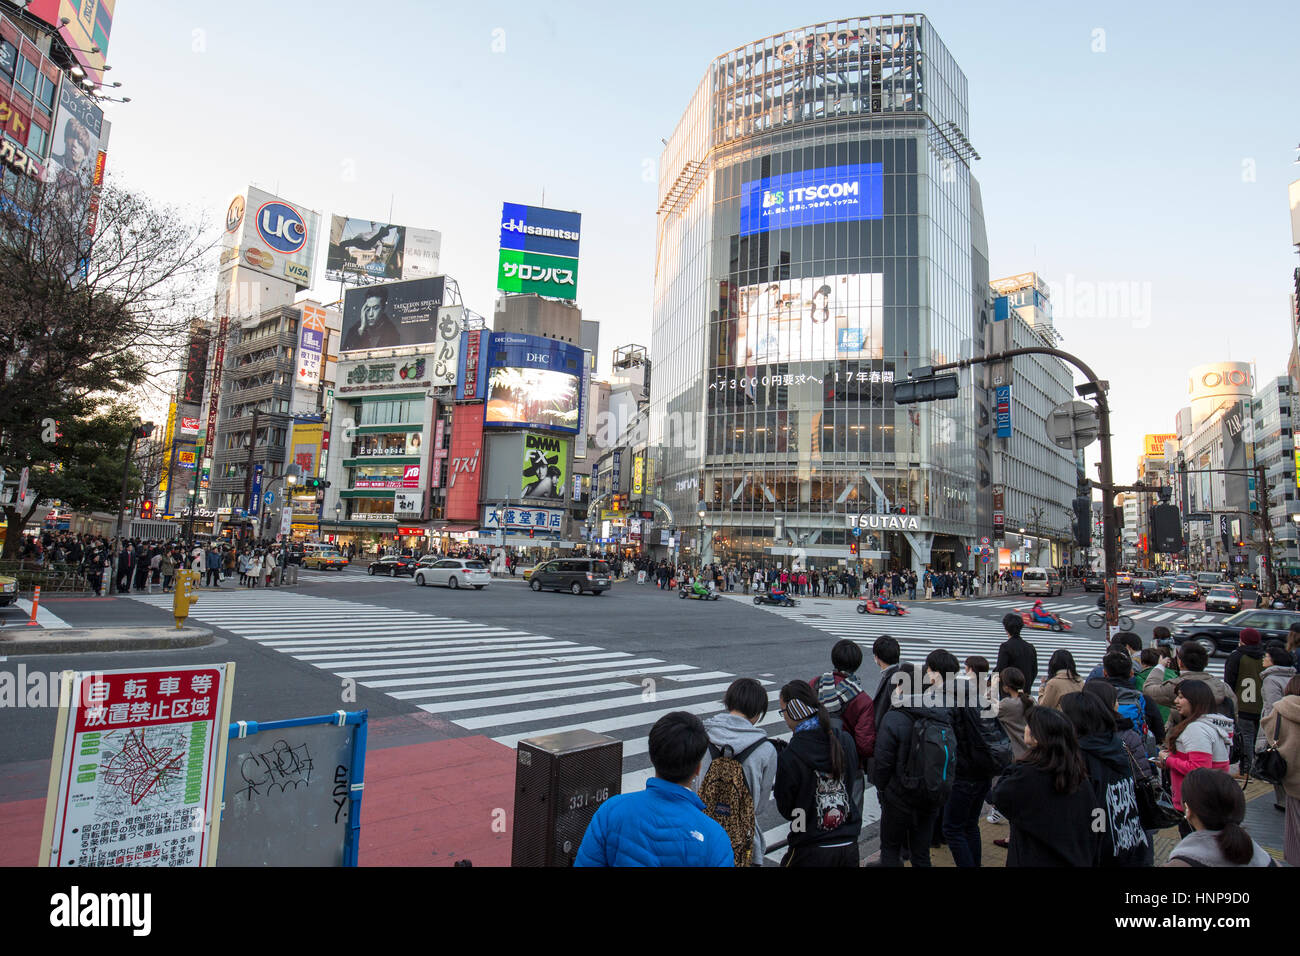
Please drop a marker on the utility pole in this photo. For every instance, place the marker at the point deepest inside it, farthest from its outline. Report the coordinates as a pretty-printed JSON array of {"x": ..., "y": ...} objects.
[{"x": 924, "y": 386}]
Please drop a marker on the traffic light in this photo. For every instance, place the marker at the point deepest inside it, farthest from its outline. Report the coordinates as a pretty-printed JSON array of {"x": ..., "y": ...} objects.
[
  {"x": 315, "y": 484},
  {"x": 146, "y": 508},
  {"x": 853, "y": 547},
  {"x": 1083, "y": 522},
  {"x": 925, "y": 387},
  {"x": 1166, "y": 530}
]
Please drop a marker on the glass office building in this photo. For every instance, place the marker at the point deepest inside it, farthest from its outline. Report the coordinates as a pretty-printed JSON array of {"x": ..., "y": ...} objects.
[{"x": 815, "y": 243}]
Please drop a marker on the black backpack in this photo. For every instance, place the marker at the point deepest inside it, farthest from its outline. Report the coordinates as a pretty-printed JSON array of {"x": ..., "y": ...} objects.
[
  {"x": 990, "y": 747},
  {"x": 926, "y": 775}
]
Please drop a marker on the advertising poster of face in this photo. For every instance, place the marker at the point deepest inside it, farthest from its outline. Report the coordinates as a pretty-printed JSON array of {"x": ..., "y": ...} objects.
[
  {"x": 391, "y": 315},
  {"x": 544, "y": 466},
  {"x": 532, "y": 396},
  {"x": 360, "y": 246},
  {"x": 811, "y": 320},
  {"x": 75, "y": 143}
]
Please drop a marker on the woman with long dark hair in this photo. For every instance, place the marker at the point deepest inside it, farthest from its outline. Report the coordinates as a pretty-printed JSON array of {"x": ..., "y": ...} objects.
[
  {"x": 1215, "y": 807},
  {"x": 1047, "y": 798},
  {"x": 1062, "y": 678},
  {"x": 1112, "y": 775},
  {"x": 817, "y": 784},
  {"x": 1202, "y": 738}
]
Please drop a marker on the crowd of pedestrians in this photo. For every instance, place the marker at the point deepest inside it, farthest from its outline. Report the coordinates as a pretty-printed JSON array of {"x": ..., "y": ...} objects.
[{"x": 1082, "y": 775}]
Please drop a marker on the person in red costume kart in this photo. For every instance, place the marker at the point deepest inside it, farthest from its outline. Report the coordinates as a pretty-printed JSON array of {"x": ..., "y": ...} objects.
[
  {"x": 884, "y": 603},
  {"x": 1039, "y": 615}
]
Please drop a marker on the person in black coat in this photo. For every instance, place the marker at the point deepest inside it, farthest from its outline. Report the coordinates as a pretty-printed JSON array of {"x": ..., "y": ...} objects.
[
  {"x": 908, "y": 819},
  {"x": 818, "y": 784},
  {"x": 1117, "y": 667},
  {"x": 1047, "y": 798},
  {"x": 1110, "y": 771},
  {"x": 1017, "y": 652}
]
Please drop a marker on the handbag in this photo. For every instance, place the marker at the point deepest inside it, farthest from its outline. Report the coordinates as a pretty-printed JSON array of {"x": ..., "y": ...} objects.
[
  {"x": 1270, "y": 766},
  {"x": 1156, "y": 807}
]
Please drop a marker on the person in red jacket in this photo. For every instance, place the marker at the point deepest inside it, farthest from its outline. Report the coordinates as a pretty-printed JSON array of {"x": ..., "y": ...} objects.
[{"x": 840, "y": 692}]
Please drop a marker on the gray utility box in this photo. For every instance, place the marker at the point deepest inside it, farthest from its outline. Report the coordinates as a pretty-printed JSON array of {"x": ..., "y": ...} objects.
[{"x": 560, "y": 782}]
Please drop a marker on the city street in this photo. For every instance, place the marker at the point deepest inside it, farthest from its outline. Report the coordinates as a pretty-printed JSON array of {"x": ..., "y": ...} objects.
[{"x": 506, "y": 663}]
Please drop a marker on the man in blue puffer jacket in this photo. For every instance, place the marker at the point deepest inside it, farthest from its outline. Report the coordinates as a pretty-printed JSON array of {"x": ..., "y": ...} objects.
[{"x": 664, "y": 824}]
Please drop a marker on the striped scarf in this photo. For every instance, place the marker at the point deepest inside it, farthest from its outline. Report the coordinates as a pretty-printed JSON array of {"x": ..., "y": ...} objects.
[{"x": 835, "y": 690}]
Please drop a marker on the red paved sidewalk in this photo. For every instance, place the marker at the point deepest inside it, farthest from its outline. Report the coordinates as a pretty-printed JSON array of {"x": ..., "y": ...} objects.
[{"x": 428, "y": 803}]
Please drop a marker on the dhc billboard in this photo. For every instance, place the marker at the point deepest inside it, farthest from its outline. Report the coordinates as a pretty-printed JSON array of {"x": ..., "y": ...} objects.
[{"x": 532, "y": 382}]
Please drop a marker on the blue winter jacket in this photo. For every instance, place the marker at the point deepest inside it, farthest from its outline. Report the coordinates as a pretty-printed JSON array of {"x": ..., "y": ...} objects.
[{"x": 663, "y": 825}]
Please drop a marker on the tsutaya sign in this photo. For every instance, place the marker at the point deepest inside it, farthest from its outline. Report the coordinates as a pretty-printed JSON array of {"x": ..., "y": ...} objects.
[{"x": 885, "y": 522}]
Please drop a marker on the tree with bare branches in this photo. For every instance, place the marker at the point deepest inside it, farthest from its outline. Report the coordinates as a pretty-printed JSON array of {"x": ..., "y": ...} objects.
[{"x": 88, "y": 316}]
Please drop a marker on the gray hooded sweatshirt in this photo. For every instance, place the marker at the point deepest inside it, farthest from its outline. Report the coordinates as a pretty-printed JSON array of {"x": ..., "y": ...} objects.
[
  {"x": 1202, "y": 848},
  {"x": 736, "y": 732},
  {"x": 1209, "y": 733}
]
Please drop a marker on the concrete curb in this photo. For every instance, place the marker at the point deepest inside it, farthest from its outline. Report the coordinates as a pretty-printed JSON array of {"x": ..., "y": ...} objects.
[{"x": 98, "y": 640}]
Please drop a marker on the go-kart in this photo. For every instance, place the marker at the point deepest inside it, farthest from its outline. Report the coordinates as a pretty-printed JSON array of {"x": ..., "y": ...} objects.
[
  {"x": 1061, "y": 624},
  {"x": 780, "y": 600},
  {"x": 871, "y": 606},
  {"x": 688, "y": 591}
]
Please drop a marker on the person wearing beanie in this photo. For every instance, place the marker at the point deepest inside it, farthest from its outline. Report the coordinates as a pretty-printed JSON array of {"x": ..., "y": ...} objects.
[{"x": 1243, "y": 673}]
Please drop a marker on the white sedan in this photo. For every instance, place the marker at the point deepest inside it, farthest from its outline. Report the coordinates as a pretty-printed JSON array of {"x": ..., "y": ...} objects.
[{"x": 454, "y": 573}]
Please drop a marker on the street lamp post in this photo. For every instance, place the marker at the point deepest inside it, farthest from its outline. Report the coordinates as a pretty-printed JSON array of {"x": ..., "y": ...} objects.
[{"x": 139, "y": 430}]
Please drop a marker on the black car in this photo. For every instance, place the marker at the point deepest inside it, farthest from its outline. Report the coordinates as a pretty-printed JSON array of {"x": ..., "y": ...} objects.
[
  {"x": 393, "y": 566},
  {"x": 1225, "y": 635},
  {"x": 1143, "y": 590},
  {"x": 1094, "y": 581},
  {"x": 571, "y": 574}
]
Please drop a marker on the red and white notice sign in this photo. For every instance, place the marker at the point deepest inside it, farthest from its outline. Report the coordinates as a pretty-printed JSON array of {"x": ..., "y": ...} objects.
[{"x": 136, "y": 775}]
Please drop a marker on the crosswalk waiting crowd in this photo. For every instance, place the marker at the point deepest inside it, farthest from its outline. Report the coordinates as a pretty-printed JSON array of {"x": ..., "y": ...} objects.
[{"x": 511, "y": 684}]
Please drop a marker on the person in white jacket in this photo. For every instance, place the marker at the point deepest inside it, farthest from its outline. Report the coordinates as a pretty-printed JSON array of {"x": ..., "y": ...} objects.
[{"x": 746, "y": 703}]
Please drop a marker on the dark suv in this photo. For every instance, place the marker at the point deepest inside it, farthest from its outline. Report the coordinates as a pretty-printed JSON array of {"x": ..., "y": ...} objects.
[{"x": 571, "y": 574}]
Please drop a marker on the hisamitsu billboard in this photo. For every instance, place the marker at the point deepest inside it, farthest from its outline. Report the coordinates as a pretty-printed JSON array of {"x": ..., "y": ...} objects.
[
  {"x": 811, "y": 197},
  {"x": 536, "y": 229}
]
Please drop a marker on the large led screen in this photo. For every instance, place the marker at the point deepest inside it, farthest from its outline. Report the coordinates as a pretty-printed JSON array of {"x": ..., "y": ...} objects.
[
  {"x": 532, "y": 396},
  {"x": 829, "y": 194},
  {"x": 821, "y": 318}
]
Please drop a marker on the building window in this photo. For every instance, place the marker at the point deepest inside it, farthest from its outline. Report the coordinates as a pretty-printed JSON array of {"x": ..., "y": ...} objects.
[
  {"x": 44, "y": 98},
  {"x": 37, "y": 140},
  {"x": 25, "y": 79}
]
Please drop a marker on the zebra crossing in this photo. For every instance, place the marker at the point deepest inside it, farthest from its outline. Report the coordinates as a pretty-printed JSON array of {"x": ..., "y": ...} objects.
[
  {"x": 1156, "y": 615},
  {"x": 502, "y": 682},
  {"x": 925, "y": 628}
]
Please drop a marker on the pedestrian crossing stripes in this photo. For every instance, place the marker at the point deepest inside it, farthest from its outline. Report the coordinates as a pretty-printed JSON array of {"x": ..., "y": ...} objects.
[
  {"x": 1155, "y": 615},
  {"x": 503, "y": 682},
  {"x": 925, "y": 628}
]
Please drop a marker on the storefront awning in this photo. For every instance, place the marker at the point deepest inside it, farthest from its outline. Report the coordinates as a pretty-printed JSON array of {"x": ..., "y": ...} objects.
[{"x": 454, "y": 529}]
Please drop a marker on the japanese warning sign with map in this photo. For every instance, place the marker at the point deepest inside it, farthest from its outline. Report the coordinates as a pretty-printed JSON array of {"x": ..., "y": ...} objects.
[{"x": 137, "y": 767}]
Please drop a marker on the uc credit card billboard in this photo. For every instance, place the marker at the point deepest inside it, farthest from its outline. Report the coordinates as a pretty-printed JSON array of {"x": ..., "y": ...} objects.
[
  {"x": 533, "y": 382},
  {"x": 813, "y": 196}
]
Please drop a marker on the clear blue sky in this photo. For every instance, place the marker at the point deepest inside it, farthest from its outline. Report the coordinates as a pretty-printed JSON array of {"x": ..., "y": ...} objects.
[{"x": 1161, "y": 162}]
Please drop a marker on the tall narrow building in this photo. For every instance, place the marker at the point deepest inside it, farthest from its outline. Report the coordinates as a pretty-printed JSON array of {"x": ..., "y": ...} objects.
[{"x": 815, "y": 244}]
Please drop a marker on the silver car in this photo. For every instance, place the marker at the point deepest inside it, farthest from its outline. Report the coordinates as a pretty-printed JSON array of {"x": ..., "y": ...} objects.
[{"x": 453, "y": 573}]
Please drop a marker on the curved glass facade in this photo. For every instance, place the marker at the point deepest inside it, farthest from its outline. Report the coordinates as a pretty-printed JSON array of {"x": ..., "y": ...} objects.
[{"x": 815, "y": 245}]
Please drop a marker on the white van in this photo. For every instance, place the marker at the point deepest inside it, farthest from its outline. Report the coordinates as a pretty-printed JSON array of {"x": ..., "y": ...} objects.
[{"x": 1043, "y": 581}]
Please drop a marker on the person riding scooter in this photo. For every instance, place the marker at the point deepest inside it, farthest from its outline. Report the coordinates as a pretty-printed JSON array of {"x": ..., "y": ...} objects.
[{"x": 1040, "y": 615}]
